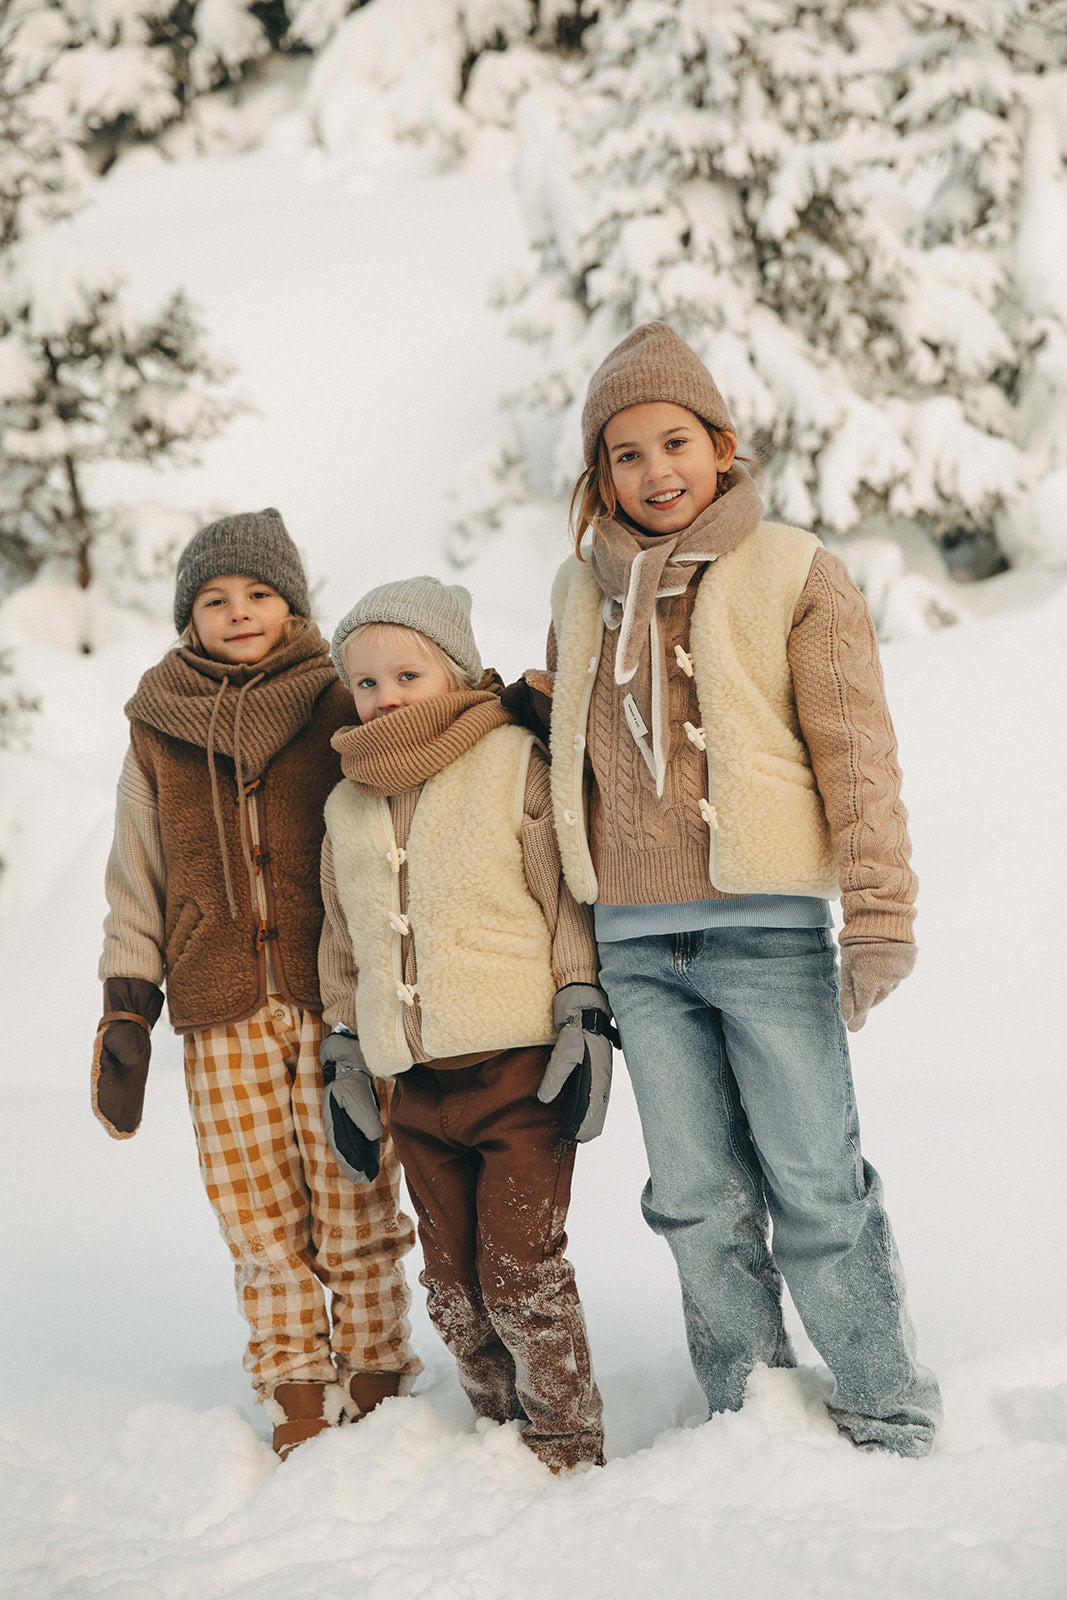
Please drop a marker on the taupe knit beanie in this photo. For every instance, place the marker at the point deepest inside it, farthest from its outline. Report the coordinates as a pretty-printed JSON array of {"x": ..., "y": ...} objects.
[
  {"x": 252, "y": 544},
  {"x": 652, "y": 363},
  {"x": 440, "y": 611}
]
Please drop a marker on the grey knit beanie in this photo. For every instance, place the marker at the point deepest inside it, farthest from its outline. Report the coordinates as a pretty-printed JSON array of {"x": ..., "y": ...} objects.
[
  {"x": 652, "y": 363},
  {"x": 250, "y": 543},
  {"x": 440, "y": 611}
]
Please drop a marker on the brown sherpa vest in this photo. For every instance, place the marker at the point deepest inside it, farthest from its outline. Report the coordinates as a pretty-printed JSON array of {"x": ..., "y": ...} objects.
[{"x": 216, "y": 967}]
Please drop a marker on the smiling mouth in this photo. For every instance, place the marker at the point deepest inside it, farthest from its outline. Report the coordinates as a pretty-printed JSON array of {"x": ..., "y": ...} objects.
[
  {"x": 667, "y": 498},
  {"x": 240, "y": 638}
]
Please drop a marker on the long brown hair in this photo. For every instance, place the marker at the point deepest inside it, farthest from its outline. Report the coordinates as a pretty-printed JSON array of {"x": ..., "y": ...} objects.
[{"x": 594, "y": 499}]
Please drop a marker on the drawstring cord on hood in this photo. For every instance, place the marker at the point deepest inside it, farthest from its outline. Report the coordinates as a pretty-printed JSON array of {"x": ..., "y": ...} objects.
[{"x": 242, "y": 802}]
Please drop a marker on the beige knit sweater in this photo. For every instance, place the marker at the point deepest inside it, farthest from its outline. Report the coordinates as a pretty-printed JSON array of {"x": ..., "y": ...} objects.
[
  {"x": 651, "y": 850},
  {"x": 569, "y": 924}
]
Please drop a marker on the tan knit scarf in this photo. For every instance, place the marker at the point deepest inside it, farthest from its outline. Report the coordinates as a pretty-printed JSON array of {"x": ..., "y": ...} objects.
[
  {"x": 192, "y": 697},
  {"x": 186, "y": 692},
  {"x": 397, "y": 752},
  {"x": 636, "y": 570}
]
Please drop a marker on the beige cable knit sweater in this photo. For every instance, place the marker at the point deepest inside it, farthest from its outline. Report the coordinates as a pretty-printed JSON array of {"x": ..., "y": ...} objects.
[{"x": 651, "y": 850}]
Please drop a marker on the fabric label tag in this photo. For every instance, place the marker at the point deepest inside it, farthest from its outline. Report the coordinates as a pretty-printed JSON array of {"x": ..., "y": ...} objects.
[{"x": 633, "y": 717}]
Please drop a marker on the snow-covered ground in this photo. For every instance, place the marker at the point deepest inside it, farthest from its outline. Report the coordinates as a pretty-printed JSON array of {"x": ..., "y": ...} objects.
[{"x": 133, "y": 1465}]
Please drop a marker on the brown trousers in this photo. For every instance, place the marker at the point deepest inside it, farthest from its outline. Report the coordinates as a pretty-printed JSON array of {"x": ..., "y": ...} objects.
[{"x": 490, "y": 1178}]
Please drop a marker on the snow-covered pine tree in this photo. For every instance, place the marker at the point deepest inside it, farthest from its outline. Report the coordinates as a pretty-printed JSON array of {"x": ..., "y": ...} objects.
[
  {"x": 85, "y": 382},
  {"x": 429, "y": 73},
  {"x": 35, "y": 188},
  {"x": 16, "y": 708},
  {"x": 824, "y": 198},
  {"x": 85, "y": 376},
  {"x": 113, "y": 71}
]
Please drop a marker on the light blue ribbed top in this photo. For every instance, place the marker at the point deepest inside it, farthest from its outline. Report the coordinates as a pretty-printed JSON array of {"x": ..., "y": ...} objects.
[{"x": 746, "y": 911}]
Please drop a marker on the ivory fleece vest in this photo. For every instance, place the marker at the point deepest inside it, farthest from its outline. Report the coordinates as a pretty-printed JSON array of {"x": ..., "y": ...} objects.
[
  {"x": 482, "y": 947},
  {"x": 767, "y": 828}
]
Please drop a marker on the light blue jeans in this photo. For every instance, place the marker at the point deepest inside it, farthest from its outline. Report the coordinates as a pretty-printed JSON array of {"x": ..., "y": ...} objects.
[{"x": 740, "y": 1068}]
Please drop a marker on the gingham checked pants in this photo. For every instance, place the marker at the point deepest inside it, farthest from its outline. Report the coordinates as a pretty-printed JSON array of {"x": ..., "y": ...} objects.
[{"x": 292, "y": 1221}]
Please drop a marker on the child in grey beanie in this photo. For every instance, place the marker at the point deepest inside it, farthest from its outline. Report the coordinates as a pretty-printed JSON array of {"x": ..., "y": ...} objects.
[
  {"x": 457, "y": 965},
  {"x": 441, "y": 612},
  {"x": 255, "y": 544}
]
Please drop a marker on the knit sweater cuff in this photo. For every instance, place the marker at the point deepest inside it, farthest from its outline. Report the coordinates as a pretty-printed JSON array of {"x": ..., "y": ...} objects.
[{"x": 871, "y": 926}]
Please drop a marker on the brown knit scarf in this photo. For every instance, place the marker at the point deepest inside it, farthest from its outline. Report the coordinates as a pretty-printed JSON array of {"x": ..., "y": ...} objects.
[
  {"x": 635, "y": 570},
  {"x": 397, "y": 752},
  {"x": 201, "y": 701}
]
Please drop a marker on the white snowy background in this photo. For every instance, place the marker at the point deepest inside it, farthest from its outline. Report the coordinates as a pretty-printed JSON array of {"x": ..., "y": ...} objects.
[{"x": 349, "y": 284}]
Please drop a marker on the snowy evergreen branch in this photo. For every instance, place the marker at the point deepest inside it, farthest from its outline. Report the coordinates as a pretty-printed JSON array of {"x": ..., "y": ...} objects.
[
  {"x": 827, "y": 201},
  {"x": 86, "y": 376}
]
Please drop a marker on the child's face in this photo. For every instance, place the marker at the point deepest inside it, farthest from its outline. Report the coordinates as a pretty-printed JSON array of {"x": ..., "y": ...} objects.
[
  {"x": 664, "y": 464},
  {"x": 389, "y": 668},
  {"x": 239, "y": 620}
]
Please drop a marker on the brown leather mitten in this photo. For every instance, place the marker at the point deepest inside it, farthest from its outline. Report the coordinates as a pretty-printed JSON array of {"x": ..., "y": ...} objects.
[
  {"x": 529, "y": 699},
  {"x": 121, "y": 1053},
  {"x": 870, "y": 970}
]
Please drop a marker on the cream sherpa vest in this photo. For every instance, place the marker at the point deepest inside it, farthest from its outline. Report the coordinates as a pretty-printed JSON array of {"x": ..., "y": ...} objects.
[
  {"x": 767, "y": 828},
  {"x": 483, "y": 950}
]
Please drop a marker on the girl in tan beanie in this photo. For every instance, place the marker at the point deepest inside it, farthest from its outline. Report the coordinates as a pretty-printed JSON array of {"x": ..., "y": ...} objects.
[
  {"x": 213, "y": 884},
  {"x": 723, "y": 766}
]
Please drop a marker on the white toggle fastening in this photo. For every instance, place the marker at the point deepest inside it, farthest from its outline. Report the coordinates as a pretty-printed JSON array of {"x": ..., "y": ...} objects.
[
  {"x": 709, "y": 813},
  {"x": 684, "y": 660},
  {"x": 696, "y": 736},
  {"x": 399, "y": 923},
  {"x": 579, "y": 742},
  {"x": 406, "y": 992},
  {"x": 396, "y": 857},
  {"x": 593, "y": 664},
  {"x": 569, "y": 818}
]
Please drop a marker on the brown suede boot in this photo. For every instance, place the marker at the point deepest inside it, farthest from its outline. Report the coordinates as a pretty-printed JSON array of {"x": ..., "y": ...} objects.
[
  {"x": 368, "y": 1389},
  {"x": 299, "y": 1411}
]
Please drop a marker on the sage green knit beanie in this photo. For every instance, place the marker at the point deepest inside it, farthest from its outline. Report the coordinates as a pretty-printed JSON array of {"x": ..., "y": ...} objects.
[
  {"x": 252, "y": 544},
  {"x": 652, "y": 363},
  {"x": 440, "y": 611}
]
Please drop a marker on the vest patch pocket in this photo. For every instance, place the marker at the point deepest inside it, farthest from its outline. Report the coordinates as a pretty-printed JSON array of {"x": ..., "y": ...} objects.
[
  {"x": 499, "y": 941},
  {"x": 189, "y": 919}
]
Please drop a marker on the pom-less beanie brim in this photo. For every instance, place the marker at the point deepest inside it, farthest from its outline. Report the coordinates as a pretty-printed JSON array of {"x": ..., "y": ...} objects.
[
  {"x": 652, "y": 363},
  {"x": 255, "y": 544},
  {"x": 441, "y": 612}
]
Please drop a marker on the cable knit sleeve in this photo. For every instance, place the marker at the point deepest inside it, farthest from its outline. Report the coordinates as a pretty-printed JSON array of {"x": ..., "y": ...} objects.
[
  {"x": 845, "y": 722},
  {"x": 574, "y": 958},
  {"x": 338, "y": 973},
  {"x": 135, "y": 882}
]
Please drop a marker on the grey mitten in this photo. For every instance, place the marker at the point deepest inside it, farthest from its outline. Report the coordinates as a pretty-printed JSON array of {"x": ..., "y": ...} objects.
[
  {"x": 579, "y": 1069},
  {"x": 351, "y": 1116},
  {"x": 871, "y": 970}
]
